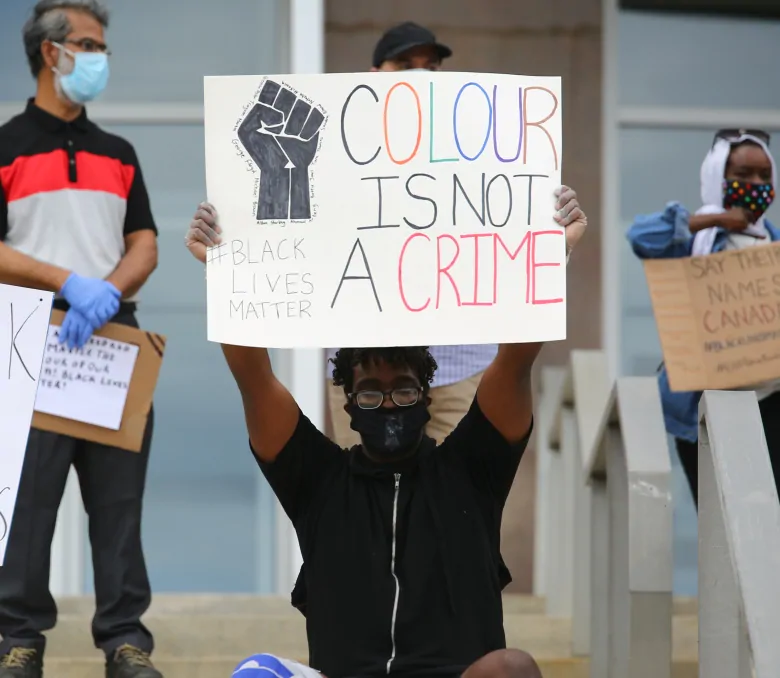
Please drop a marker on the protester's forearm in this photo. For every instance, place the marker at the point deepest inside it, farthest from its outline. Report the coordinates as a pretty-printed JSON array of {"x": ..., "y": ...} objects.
[
  {"x": 698, "y": 222},
  {"x": 250, "y": 366},
  {"x": 136, "y": 266},
  {"x": 505, "y": 395},
  {"x": 518, "y": 359},
  {"x": 270, "y": 411},
  {"x": 25, "y": 271}
]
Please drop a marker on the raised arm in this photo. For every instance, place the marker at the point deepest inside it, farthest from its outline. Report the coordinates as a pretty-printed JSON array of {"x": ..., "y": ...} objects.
[
  {"x": 504, "y": 394},
  {"x": 271, "y": 412},
  {"x": 669, "y": 234},
  {"x": 664, "y": 235}
]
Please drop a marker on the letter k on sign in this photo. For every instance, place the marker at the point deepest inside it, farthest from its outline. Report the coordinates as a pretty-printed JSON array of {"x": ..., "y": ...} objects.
[{"x": 14, "y": 349}]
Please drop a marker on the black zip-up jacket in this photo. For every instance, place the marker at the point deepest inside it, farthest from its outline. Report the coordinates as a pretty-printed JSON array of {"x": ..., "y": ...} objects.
[{"x": 402, "y": 571}]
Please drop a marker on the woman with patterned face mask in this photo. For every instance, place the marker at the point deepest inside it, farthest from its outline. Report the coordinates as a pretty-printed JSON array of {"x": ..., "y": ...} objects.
[{"x": 738, "y": 179}]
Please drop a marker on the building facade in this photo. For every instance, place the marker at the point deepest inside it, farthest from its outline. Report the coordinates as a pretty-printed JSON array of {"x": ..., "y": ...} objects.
[{"x": 642, "y": 93}]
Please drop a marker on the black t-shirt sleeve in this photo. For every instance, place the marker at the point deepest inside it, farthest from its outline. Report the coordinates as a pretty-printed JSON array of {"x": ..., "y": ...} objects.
[
  {"x": 139, "y": 212},
  {"x": 490, "y": 459},
  {"x": 304, "y": 465}
]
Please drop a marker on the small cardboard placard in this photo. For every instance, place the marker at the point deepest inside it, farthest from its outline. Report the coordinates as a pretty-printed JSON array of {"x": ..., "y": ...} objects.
[
  {"x": 139, "y": 395},
  {"x": 718, "y": 317}
]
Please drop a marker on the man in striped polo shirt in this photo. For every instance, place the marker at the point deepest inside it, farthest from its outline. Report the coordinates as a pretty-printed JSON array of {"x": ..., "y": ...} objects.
[{"x": 75, "y": 219}]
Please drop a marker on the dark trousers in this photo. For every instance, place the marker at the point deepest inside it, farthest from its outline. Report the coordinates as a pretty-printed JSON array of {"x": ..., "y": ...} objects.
[
  {"x": 770, "y": 416},
  {"x": 112, "y": 485}
]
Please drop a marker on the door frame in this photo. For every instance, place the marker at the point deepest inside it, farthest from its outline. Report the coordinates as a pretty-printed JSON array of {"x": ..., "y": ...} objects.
[{"x": 301, "y": 370}]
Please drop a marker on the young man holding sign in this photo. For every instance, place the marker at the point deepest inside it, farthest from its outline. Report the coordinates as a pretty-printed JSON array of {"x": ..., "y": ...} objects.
[
  {"x": 400, "y": 537},
  {"x": 75, "y": 220}
]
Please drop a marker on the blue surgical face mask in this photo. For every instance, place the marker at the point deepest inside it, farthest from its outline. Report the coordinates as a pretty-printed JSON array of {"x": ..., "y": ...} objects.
[{"x": 88, "y": 78}]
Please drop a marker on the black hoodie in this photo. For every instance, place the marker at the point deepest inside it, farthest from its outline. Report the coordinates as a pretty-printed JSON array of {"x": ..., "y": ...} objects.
[{"x": 402, "y": 571}]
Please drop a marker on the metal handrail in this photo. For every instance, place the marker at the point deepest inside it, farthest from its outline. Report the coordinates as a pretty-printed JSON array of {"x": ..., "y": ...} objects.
[
  {"x": 570, "y": 409},
  {"x": 739, "y": 541},
  {"x": 604, "y": 516},
  {"x": 630, "y": 476}
]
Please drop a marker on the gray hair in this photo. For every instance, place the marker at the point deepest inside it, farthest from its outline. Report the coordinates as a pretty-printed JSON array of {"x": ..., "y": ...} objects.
[{"x": 50, "y": 22}]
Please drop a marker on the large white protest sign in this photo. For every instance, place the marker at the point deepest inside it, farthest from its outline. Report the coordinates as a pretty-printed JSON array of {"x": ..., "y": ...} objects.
[
  {"x": 24, "y": 324},
  {"x": 381, "y": 209}
]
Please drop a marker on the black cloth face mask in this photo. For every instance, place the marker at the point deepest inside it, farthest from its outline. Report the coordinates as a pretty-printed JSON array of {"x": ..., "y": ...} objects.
[{"x": 390, "y": 432}]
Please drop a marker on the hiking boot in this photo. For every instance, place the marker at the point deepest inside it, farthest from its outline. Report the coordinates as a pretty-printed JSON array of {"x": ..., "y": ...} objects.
[
  {"x": 129, "y": 662},
  {"x": 21, "y": 662}
]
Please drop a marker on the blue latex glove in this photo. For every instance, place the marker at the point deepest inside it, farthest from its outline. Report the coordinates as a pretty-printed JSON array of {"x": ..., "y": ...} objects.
[
  {"x": 76, "y": 329},
  {"x": 97, "y": 300}
]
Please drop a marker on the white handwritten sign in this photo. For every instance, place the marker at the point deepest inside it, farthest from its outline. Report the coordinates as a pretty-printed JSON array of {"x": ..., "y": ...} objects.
[
  {"x": 385, "y": 209},
  {"x": 89, "y": 384},
  {"x": 24, "y": 321}
]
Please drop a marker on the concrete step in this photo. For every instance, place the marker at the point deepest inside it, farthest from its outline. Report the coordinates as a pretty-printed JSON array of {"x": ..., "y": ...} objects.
[
  {"x": 238, "y": 635},
  {"x": 196, "y": 628},
  {"x": 200, "y": 604},
  {"x": 166, "y": 604},
  {"x": 248, "y": 604},
  {"x": 550, "y": 642},
  {"x": 221, "y": 667}
]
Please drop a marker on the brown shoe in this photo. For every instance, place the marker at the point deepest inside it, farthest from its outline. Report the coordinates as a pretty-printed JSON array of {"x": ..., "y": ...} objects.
[
  {"x": 129, "y": 662},
  {"x": 21, "y": 662}
]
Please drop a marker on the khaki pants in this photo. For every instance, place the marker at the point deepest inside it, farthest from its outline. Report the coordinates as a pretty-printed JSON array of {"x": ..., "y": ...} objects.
[{"x": 449, "y": 405}]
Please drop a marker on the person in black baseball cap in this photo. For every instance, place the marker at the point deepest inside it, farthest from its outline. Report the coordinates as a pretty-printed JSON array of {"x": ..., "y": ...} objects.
[{"x": 409, "y": 46}]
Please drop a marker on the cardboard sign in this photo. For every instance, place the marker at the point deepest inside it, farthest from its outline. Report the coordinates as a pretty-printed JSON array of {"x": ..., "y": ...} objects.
[
  {"x": 24, "y": 323},
  {"x": 139, "y": 396},
  {"x": 718, "y": 317},
  {"x": 384, "y": 209}
]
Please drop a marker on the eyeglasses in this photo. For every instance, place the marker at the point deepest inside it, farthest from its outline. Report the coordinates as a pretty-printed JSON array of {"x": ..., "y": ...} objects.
[
  {"x": 372, "y": 400},
  {"x": 90, "y": 45},
  {"x": 735, "y": 134}
]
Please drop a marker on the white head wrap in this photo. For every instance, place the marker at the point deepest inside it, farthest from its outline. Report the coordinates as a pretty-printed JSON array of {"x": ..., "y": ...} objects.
[{"x": 713, "y": 172}]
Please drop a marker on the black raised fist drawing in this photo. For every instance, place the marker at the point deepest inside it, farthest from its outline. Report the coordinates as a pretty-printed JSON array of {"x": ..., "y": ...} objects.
[{"x": 280, "y": 133}]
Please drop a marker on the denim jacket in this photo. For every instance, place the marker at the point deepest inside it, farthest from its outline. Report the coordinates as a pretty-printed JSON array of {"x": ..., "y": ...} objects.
[{"x": 665, "y": 235}]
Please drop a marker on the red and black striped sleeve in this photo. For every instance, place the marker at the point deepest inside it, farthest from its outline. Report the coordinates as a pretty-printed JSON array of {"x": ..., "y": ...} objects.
[{"x": 139, "y": 212}]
